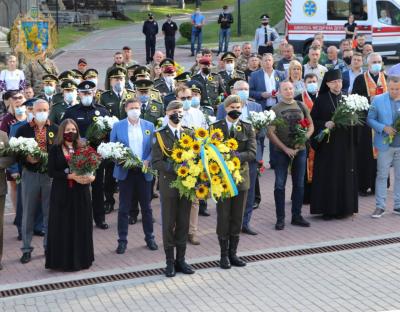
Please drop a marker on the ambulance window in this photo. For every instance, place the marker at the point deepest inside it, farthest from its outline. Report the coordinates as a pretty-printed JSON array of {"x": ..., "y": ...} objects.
[
  {"x": 388, "y": 13},
  {"x": 341, "y": 9}
]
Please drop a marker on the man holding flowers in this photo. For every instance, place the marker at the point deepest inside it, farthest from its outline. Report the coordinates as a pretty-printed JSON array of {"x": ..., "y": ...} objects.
[
  {"x": 289, "y": 136},
  {"x": 34, "y": 182},
  {"x": 230, "y": 210}
]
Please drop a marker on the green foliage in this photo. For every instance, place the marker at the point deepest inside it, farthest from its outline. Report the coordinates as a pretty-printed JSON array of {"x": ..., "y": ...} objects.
[{"x": 185, "y": 29}]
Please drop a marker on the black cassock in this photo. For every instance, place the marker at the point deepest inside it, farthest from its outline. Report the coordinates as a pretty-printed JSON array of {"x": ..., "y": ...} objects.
[
  {"x": 334, "y": 186},
  {"x": 70, "y": 230}
]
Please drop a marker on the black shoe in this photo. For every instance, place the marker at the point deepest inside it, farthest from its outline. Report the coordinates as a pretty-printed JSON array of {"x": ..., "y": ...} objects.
[
  {"x": 182, "y": 266},
  {"x": 256, "y": 205},
  {"x": 121, "y": 248},
  {"x": 26, "y": 257},
  {"x": 102, "y": 225},
  {"x": 191, "y": 54},
  {"x": 170, "y": 269},
  {"x": 233, "y": 258},
  {"x": 204, "y": 213},
  {"x": 248, "y": 230},
  {"x": 151, "y": 244},
  {"x": 108, "y": 208},
  {"x": 224, "y": 261},
  {"x": 132, "y": 220},
  {"x": 154, "y": 195},
  {"x": 363, "y": 193},
  {"x": 38, "y": 233},
  {"x": 280, "y": 225},
  {"x": 300, "y": 221}
]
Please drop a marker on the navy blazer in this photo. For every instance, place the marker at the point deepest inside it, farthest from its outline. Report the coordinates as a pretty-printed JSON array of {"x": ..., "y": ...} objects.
[
  {"x": 345, "y": 82},
  {"x": 257, "y": 85}
]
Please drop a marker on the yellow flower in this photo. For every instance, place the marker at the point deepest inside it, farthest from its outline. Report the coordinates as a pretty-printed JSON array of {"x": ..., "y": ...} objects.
[
  {"x": 189, "y": 182},
  {"x": 225, "y": 186},
  {"x": 237, "y": 176},
  {"x": 223, "y": 148},
  {"x": 183, "y": 171},
  {"x": 201, "y": 133},
  {"x": 195, "y": 170},
  {"x": 202, "y": 191},
  {"x": 188, "y": 155},
  {"x": 216, "y": 134},
  {"x": 213, "y": 167},
  {"x": 217, "y": 190},
  {"x": 196, "y": 147},
  {"x": 230, "y": 165},
  {"x": 232, "y": 144},
  {"x": 215, "y": 180},
  {"x": 203, "y": 176},
  {"x": 186, "y": 141},
  {"x": 236, "y": 162},
  {"x": 177, "y": 155}
]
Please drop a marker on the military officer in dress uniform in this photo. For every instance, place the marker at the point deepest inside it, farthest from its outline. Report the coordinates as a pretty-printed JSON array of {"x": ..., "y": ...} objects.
[
  {"x": 78, "y": 76},
  {"x": 84, "y": 113},
  {"x": 93, "y": 75},
  {"x": 69, "y": 98},
  {"x": 65, "y": 75},
  {"x": 131, "y": 71},
  {"x": 49, "y": 88},
  {"x": 230, "y": 211},
  {"x": 166, "y": 84},
  {"x": 181, "y": 79},
  {"x": 143, "y": 72},
  {"x": 212, "y": 85},
  {"x": 230, "y": 72},
  {"x": 175, "y": 210}
]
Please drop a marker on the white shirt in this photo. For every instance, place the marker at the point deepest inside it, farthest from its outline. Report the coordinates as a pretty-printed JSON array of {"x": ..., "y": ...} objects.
[
  {"x": 259, "y": 39},
  {"x": 319, "y": 70},
  {"x": 12, "y": 79},
  {"x": 352, "y": 77},
  {"x": 135, "y": 136},
  {"x": 230, "y": 124},
  {"x": 173, "y": 130},
  {"x": 194, "y": 118},
  {"x": 270, "y": 85}
]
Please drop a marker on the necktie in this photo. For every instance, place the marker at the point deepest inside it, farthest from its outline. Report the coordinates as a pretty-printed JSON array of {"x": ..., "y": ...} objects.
[
  {"x": 143, "y": 110},
  {"x": 232, "y": 131},
  {"x": 176, "y": 135},
  {"x": 266, "y": 35}
]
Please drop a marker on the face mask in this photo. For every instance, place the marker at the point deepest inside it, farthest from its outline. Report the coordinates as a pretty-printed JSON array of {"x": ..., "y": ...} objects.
[
  {"x": 312, "y": 87},
  {"x": 29, "y": 118},
  {"x": 234, "y": 114},
  {"x": 87, "y": 100},
  {"x": 48, "y": 90},
  {"x": 176, "y": 118},
  {"x": 229, "y": 67},
  {"x": 118, "y": 87},
  {"x": 94, "y": 80},
  {"x": 205, "y": 70},
  {"x": 69, "y": 97},
  {"x": 134, "y": 114},
  {"x": 70, "y": 136},
  {"x": 244, "y": 95},
  {"x": 187, "y": 104},
  {"x": 144, "y": 98},
  {"x": 195, "y": 102},
  {"x": 347, "y": 60},
  {"x": 376, "y": 68},
  {"x": 169, "y": 80},
  {"x": 265, "y": 23},
  {"x": 20, "y": 110},
  {"x": 41, "y": 116}
]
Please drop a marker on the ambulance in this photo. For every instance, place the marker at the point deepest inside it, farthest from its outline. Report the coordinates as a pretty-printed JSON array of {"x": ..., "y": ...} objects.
[{"x": 379, "y": 20}]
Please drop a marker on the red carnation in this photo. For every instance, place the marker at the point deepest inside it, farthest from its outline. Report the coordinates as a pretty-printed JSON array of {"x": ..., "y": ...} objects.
[{"x": 304, "y": 123}]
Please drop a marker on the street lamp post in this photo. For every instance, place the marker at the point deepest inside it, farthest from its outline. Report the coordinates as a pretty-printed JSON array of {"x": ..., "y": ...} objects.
[{"x": 239, "y": 23}]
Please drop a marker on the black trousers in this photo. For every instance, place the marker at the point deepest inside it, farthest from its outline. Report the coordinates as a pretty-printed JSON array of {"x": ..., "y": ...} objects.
[
  {"x": 265, "y": 49},
  {"x": 109, "y": 182},
  {"x": 170, "y": 46},
  {"x": 150, "y": 48},
  {"x": 98, "y": 196},
  {"x": 257, "y": 197}
]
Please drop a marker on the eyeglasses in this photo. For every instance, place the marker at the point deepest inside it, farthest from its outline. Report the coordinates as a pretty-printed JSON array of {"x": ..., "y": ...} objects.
[
  {"x": 17, "y": 97},
  {"x": 186, "y": 98}
]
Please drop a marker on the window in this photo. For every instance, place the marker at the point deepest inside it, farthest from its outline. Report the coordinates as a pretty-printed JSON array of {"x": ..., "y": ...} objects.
[
  {"x": 388, "y": 13},
  {"x": 341, "y": 9}
]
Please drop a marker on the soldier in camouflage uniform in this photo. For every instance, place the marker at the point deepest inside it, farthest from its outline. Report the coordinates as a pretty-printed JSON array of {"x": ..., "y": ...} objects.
[
  {"x": 93, "y": 75},
  {"x": 243, "y": 59},
  {"x": 36, "y": 69},
  {"x": 230, "y": 72},
  {"x": 69, "y": 98}
]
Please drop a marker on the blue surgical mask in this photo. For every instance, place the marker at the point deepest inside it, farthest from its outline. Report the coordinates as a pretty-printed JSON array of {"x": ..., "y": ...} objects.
[
  {"x": 118, "y": 87},
  {"x": 48, "y": 90},
  {"x": 87, "y": 100},
  {"x": 376, "y": 68},
  {"x": 187, "y": 104},
  {"x": 195, "y": 102},
  {"x": 144, "y": 98},
  {"x": 20, "y": 110},
  {"x": 312, "y": 87},
  {"x": 29, "y": 117},
  {"x": 243, "y": 94},
  {"x": 69, "y": 97},
  {"x": 41, "y": 116}
]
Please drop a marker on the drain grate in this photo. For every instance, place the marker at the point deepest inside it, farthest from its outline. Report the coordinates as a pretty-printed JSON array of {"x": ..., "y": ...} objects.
[{"x": 196, "y": 266}]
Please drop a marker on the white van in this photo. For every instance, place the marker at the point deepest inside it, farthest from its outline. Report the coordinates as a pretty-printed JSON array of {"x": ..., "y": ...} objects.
[{"x": 304, "y": 18}]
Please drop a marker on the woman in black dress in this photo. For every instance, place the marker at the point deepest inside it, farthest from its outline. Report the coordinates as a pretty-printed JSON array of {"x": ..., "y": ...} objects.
[
  {"x": 351, "y": 28},
  {"x": 70, "y": 240}
]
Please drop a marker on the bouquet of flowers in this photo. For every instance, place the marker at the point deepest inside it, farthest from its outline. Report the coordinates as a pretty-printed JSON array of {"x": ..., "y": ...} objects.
[
  {"x": 123, "y": 156},
  {"x": 84, "y": 161},
  {"x": 347, "y": 114},
  {"x": 23, "y": 147},
  {"x": 389, "y": 138},
  {"x": 262, "y": 119},
  {"x": 260, "y": 168},
  {"x": 99, "y": 129},
  {"x": 206, "y": 164},
  {"x": 300, "y": 133}
]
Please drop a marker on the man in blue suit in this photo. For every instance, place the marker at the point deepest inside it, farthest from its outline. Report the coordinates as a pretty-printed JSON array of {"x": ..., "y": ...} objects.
[
  {"x": 241, "y": 88},
  {"x": 137, "y": 134},
  {"x": 382, "y": 116}
]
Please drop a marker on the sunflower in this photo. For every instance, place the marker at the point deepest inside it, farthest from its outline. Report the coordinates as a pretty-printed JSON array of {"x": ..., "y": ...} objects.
[
  {"x": 196, "y": 147},
  {"x": 213, "y": 167},
  {"x": 216, "y": 134},
  {"x": 236, "y": 162},
  {"x": 232, "y": 144},
  {"x": 225, "y": 186},
  {"x": 202, "y": 191},
  {"x": 216, "y": 180},
  {"x": 203, "y": 176},
  {"x": 177, "y": 155},
  {"x": 201, "y": 133},
  {"x": 217, "y": 190},
  {"x": 183, "y": 171},
  {"x": 186, "y": 141}
]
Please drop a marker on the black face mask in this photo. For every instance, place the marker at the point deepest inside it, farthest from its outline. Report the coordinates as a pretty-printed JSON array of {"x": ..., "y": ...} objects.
[
  {"x": 234, "y": 114},
  {"x": 347, "y": 60},
  {"x": 205, "y": 70},
  {"x": 265, "y": 23},
  {"x": 70, "y": 136},
  {"x": 176, "y": 118}
]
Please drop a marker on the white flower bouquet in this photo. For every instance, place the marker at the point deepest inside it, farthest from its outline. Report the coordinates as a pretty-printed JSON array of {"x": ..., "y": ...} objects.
[
  {"x": 100, "y": 129},
  {"x": 123, "y": 156},
  {"x": 260, "y": 120}
]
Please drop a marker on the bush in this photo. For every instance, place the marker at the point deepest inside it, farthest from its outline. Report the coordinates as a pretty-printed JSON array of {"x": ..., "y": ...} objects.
[{"x": 185, "y": 29}]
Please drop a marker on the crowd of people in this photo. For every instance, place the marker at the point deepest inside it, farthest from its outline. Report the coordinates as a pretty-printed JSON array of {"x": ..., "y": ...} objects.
[{"x": 157, "y": 104}]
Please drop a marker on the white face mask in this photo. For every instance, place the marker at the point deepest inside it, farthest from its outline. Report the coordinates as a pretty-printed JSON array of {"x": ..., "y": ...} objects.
[
  {"x": 229, "y": 67},
  {"x": 41, "y": 116},
  {"x": 134, "y": 113}
]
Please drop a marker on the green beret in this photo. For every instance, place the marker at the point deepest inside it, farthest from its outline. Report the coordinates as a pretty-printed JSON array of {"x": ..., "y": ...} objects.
[
  {"x": 232, "y": 99},
  {"x": 174, "y": 105}
]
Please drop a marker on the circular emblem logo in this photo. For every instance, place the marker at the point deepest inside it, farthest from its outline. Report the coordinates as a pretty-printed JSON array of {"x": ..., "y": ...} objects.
[
  {"x": 147, "y": 132},
  {"x": 310, "y": 8},
  {"x": 51, "y": 135},
  {"x": 154, "y": 108},
  {"x": 97, "y": 113}
]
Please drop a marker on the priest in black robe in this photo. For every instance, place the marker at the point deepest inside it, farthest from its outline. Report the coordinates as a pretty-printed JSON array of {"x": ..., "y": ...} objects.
[{"x": 334, "y": 185}]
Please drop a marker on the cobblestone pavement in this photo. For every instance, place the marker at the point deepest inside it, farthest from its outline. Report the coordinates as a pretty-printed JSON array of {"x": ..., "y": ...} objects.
[{"x": 360, "y": 280}]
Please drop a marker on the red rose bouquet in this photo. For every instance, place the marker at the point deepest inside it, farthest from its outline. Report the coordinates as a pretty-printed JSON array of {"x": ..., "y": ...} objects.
[
  {"x": 300, "y": 134},
  {"x": 84, "y": 161}
]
